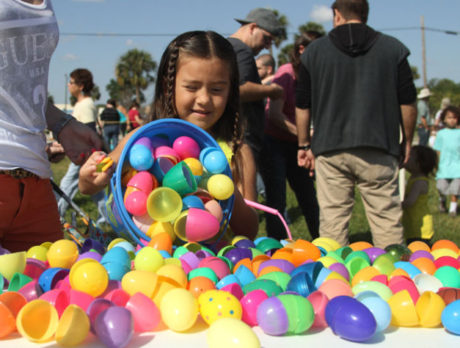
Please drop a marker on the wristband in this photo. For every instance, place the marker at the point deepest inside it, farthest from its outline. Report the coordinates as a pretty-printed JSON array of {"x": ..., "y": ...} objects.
[
  {"x": 304, "y": 147},
  {"x": 58, "y": 126}
]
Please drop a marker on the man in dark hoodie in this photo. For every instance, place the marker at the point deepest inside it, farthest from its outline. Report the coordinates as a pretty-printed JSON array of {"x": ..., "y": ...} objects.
[{"x": 356, "y": 86}]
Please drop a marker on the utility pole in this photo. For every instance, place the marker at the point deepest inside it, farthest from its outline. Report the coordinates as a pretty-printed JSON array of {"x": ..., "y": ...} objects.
[{"x": 422, "y": 27}]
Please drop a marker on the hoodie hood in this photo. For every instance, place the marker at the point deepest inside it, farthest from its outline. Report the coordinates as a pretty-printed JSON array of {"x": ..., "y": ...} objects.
[{"x": 354, "y": 39}]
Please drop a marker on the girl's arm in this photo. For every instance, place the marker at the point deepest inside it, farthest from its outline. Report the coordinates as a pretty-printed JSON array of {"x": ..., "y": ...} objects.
[
  {"x": 244, "y": 220},
  {"x": 276, "y": 115},
  {"x": 247, "y": 186},
  {"x": 90, "y": 180},
  {"x": 419, "y": 187}
]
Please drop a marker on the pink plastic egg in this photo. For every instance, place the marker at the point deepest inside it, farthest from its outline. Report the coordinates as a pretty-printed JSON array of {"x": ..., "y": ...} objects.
[
  {"x": 250, "y": 302},
  {"x": 143, "y": 181},
  {"x": 186, "y": 147},
  {"x": 136, "y": 203}
]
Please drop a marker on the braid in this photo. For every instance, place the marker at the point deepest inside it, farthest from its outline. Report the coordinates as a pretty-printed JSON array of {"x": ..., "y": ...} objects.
[
  {"x": 170, "y": 108},
  {"x": 236, "y": 144}
]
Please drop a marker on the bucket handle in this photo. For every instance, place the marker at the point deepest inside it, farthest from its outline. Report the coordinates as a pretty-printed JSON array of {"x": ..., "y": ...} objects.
[{"x": 270, "y": 211}]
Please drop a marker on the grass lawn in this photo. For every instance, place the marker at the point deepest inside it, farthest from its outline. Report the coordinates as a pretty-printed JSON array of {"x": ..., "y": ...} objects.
[{"x": 445, "y": 227}]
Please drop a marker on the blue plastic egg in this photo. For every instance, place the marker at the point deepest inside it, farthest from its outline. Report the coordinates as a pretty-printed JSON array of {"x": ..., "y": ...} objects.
[{"x": 140, "y": 157}]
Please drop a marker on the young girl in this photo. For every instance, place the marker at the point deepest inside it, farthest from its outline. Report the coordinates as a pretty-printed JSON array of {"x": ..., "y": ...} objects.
[
  {"x": 417, "y": 220},
  {"x": 198, "y": 82},
  {"x": 447, "y": 144}
]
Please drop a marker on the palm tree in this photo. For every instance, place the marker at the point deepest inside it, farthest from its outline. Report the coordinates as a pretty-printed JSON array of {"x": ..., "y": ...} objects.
[{"x": 135, "y": 70}]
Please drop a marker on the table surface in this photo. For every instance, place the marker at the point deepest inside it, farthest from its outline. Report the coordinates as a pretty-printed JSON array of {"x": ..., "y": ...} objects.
[{"x": 196, "y": 338}]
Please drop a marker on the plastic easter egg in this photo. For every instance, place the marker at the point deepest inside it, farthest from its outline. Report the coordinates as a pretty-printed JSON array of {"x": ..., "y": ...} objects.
[
  {"x": 143, "y": 222},
  {"x": 180, "y": 179},
  {"x": 161, "y": 241},
  {"x": 418, "y": 245},
  {"x": 95, "y": 308},
  {"x": 18, "y": 281},
  {"x": 449, "y": 295},
  {"x": 381, "y": 289},
  {"x": 449, "y": 276},
  {"x": 335, "y": 287},
  {"x": 384, "y": 263},
  {"x": 220, "y": 186},
  {"x": 280, "y": 278},
  {"x": 37, "y": 321},
  {"x": 192, "y": 202},
  {"x": 231, "y": 333},
  {"x": 148, "y": 259},
  {"x": 199, "y": 285},
  {"x": 62, "y": 253},
  {"x": 214, "y": 161},
  {"x": 340, "y": 269},
  {"x": 227, "y": 280},
  {"x": 399, "y": 283},
  {"x": 73, "y": 327},
  {"x": 398, "y": 252},
  {"x": 179, "y": 309},
  {"x": 272, "y": 317},
  {"x": 429, "y": 308},
  {"x": 164, "y": 204},
  {"x": 445, "y": 244},
  {"x": 12, "y": 263},
  {"x": 58, "y": 298},
  {"x": 116, "y": 270},
  {"x": 302, "y": 284},
  {"x": 146, "y": 314},
  {"x": 444, "y": 252},
  {"x": 37, "y": 252},
  {"x": 319, "y": 302},
  {"x": 161, "y": 166},
  {"x": 373, "y": 253},
  {"x": 114, "y": 326},
  {"x": 237, "y": 254},
  {"x": 360, "y": 245},
  {"x": 420, "y": 253},
  {"x": 7, "y": 321},
  {"x": 145, "y": 141},
  {"x": 143, "y": 181},
  {"x": 447, "y": 261},
  {"x": 34, "y": 268},
  {"x": 186, "y": 147},
  {"x": 89, "y": 276},
  {"x": 427, "y": 282},
  {"x": 196, "y": 225},
  {"x": 299, "y": 311},
  {"x": 249, "y": 303},
  {"x": 166, "y": 151},
  {"x": 216, "y": 304},
  {"x": 31, "y": 291},
  {"x": 195, "y": 166},
  {"x": 50, "y": 277},
  {"x": 425, "y": 265},
  {"x": 219, "y": 266},
  {"x": 244, "y": 275},
  {"x": 136, "y": 203},
  {"x": 450, "y": 317},
  {"x": 116, "y": 255},
  {"x": 140, "y": 157},
  {"x": 365, "y": 274},
  {"x": 174, "y": 274},
  {"x": 403, "y": 310},
  {"x": 379, "y": 308}
]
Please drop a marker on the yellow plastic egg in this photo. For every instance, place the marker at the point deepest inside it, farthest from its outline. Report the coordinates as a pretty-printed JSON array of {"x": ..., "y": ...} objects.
[
  {"x": 179, "y": 309},
  {"x": 231, "y": 333},
  {"x": 62, "y": 253},
  {"x": 216, "y": 304},
  {"x": 220, "y": 186}
]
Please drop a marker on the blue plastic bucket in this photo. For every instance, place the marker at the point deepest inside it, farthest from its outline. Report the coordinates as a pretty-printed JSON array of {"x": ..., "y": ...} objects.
[{"x": 119, "y": 218}]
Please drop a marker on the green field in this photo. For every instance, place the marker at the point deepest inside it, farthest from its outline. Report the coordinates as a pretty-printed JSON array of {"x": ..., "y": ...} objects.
[{"x": 446, "y": 227}]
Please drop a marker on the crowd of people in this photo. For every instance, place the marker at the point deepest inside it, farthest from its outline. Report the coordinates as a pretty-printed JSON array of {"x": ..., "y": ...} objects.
[{"x": 340, "y": 116}]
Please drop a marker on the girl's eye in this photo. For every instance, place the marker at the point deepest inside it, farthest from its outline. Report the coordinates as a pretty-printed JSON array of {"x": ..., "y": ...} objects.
[{"x": 190, "y": 87}]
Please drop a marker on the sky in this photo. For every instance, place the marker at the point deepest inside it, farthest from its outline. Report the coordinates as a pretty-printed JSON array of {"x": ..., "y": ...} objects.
[{"x": 165, "y": 19}]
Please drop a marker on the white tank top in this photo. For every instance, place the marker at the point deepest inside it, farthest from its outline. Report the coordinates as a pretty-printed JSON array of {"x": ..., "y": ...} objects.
[{"x": 28, "y": 37}]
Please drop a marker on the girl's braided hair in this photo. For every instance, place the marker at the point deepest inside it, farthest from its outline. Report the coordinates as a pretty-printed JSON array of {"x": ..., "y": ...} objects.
[{"x": 204, "y": 45}]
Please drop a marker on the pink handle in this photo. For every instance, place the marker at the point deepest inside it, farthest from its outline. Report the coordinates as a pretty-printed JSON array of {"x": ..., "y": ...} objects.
[{"x": 270, "y": 211}]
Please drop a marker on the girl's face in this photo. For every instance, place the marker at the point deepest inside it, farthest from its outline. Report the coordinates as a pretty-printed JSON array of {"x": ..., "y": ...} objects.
[
  {"x": 450, "y": 120},
  {"x": 201, "y": 91},
  {"x": 74, "y": 89}
]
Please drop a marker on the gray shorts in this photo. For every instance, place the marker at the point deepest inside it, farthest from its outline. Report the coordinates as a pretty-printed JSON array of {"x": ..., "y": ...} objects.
[{"x": 448, "y": 186}]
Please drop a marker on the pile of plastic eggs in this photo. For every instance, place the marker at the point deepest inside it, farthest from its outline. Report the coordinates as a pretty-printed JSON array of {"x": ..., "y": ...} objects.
[
  {"x": 63, "y": 292},
  {"x": 176, "y": 184}
]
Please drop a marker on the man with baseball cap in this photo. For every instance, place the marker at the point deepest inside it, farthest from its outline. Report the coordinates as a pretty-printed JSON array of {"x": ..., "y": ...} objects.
[{"x": 256, "y": 33}]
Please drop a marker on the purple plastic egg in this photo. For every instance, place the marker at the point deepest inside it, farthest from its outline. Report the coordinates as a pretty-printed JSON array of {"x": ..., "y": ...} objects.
[
  {"x": 145, "y": 141},
  {"x": 284, "y": 265},
  {"x": 334, "y": 305},
  {"x": 114, "y": 327},
  {"x": 245, "y": 243},
  {"x": 353, "y": 321},
  {"x": 421, "y": 253},
  {"x": 95, "y": 308},
  {"x": 272, "y": 317},
  {"x": 374, "y": 252},
  {"x": 340, "y": 269},
  {"x": 237, "y": 254}
]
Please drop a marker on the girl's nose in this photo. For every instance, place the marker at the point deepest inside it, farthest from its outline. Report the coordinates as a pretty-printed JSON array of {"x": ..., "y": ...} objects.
[{"x": 203, "y": 97}]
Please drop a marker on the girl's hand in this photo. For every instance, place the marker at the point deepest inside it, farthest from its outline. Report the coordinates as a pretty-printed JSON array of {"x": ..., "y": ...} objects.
[{"x": 91, "y": 180}]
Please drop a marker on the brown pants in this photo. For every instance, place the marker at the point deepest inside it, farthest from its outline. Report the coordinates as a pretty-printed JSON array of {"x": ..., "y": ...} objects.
[
  {"x": 28, "y": 213},
  {"x": 375, "y": 173}
]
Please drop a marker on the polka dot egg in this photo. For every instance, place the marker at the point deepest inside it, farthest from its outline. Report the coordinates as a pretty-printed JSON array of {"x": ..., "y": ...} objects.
[{"x": 216, "y": 304}]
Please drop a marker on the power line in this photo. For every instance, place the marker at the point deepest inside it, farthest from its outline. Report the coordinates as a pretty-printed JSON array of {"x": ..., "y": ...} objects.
[{"x": 100, "y": 34}]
